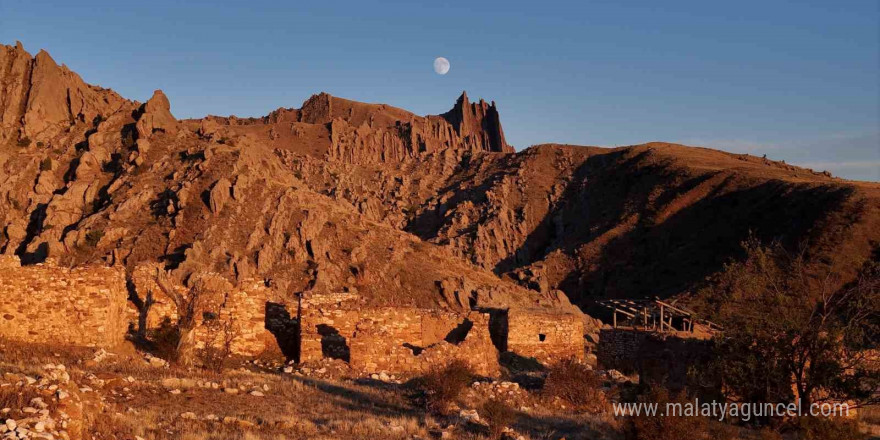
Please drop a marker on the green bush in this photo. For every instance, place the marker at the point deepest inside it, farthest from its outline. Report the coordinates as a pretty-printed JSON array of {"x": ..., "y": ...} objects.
[
  {"x": 46, "y": 164},
  {"x": 24, "y": 142}
]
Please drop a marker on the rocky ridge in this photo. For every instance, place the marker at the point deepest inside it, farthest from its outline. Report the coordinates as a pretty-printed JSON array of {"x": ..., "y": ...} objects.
[{"x": 431, "y": 211}]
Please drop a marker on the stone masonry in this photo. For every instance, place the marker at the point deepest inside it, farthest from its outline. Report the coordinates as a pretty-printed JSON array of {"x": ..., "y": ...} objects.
[
  {"x": 546, "y": 335},
  {"x": 90, "y": 306},
  {"x": 237, "y": 317},
  {"x": 50, "y": 304},
  {"x": 397, "y": 339},
  {"x": 658, "y": 357}
]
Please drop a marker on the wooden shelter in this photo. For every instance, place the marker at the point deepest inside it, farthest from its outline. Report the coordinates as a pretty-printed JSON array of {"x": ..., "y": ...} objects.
[{"x": 655, "y": 315}]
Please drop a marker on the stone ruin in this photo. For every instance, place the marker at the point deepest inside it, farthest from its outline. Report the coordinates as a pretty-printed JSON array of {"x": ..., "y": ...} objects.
[
  {"x": 668, "y": 357},
  {"x": 98, "y": 306},
  {"x": 545, "y": 334},
  {"x": 237, "y": 317},
  {"x": 411, "y": 340},
  {"x": 405, "y": 340},
  {"x": 46, "y": 303}
]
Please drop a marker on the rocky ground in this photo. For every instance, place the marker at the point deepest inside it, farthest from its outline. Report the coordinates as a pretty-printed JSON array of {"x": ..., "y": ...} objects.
[{"x": 70, "y": 393}]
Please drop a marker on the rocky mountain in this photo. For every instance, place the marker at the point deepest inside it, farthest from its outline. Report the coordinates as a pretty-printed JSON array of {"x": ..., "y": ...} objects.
[{"x": 433, "y": 211}]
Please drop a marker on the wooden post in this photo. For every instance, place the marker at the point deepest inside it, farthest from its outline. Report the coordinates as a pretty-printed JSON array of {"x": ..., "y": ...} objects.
[
  {"x": 645, "y": 317},
  {"x": 662, "y": 319},
  {"x": 615, "y": 318}
]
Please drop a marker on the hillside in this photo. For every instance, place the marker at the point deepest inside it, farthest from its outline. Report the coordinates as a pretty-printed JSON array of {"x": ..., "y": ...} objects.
[{"x": 433, "y": 211}]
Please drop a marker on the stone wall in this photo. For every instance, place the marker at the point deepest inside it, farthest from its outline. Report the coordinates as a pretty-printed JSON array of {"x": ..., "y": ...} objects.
[
  {"x": 670, "y": 358},
  {"x": 546, "y": 335},
  {"x": 90, "y": 306},
  {"x": 618, "y": 349},
  {"x": 402, "y": 340},
  {"x": 237, "y": 317},
  {"x": 50, "y": 304},
  {"x": 326, "y": 332},
  {"x": 413, "y": 340}
]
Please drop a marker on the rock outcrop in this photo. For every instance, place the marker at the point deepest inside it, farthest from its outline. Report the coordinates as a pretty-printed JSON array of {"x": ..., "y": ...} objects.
[
  {"x": 156, "y": 117},
  {"x": 39, "y": 99},
  {"x": 399, "y": 209},
  {"x": 353, "y": 132},
  {"x": 478, "y": 123}
]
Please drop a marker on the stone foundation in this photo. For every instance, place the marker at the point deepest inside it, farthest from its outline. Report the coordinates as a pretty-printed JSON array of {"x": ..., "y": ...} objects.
[{"x": 50, "y": 304}]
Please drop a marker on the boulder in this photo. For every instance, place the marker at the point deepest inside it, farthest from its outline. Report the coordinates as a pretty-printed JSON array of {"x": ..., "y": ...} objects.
[{"x": 156, "y": 117}]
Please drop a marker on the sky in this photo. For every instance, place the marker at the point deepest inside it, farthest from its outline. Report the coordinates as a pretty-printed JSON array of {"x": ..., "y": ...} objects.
[{"x": 795, "y": 80}]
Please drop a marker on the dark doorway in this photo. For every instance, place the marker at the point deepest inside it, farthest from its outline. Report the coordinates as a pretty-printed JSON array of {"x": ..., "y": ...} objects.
[{"x": 284, "y": 328}]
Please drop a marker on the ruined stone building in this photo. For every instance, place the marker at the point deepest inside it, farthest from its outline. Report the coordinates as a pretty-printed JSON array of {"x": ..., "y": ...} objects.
[
  {"x": 45, "y": 303},
  {"x": 95, "y": 306},
  {"x": 411, "y": 339}
]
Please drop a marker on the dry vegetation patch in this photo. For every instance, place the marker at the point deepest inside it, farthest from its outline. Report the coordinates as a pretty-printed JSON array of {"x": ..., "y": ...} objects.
[{"x": 576, "y": 384}]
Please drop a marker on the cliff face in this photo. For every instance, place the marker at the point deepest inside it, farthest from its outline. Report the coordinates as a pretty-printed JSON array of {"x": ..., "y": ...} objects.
[
  {"x": 39, "y": 99},
  {"x": 434, "y": 211}
]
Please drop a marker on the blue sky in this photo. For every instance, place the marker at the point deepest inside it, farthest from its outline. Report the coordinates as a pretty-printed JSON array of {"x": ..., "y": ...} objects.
[{"x": 794, "y": 80}]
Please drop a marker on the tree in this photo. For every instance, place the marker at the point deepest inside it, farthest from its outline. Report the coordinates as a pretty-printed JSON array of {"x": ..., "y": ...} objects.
[
  {"x": 202, "y": 291},
  {"x": 791, "y": 333}
]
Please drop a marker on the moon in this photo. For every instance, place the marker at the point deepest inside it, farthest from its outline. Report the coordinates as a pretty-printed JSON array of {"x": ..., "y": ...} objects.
[{"x": 441, "y": 65}]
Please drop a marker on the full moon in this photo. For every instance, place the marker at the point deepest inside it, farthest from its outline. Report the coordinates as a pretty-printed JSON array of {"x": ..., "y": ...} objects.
[{"x": 441, "y": 65}]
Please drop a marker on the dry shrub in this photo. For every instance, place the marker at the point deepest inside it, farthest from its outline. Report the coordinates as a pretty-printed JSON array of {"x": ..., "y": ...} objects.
[
  {"x": 498, "y": 415},
  {"x": 657, "y": 427},
  {"x": 220, "y": 335},
  {"x": 821, "y": 428},
  {"x": 444, "y": 385},
  {"x": 105, "y": 426},
  {"x": 574, "y": 383}
]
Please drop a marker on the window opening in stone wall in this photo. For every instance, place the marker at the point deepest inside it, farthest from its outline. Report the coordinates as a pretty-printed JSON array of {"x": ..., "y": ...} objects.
[
  {"x": 458, "y": 334},
  {"x": 333, "y": 345},
  {"x": 542, "y": 337}
]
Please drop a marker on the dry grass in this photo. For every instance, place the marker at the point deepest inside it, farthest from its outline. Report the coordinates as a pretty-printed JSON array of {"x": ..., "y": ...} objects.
[
  {"x": 821, "y": 428},
  {"x": 134, "y": 401},
  {"x": 16, "y": 397},
  {"x": 498, "y": 415}
]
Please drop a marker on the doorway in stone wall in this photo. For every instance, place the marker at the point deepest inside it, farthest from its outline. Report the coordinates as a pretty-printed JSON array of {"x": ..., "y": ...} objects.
[
  {"x": 285, "y": 328},
  {"x": 333, "y": 344}
]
